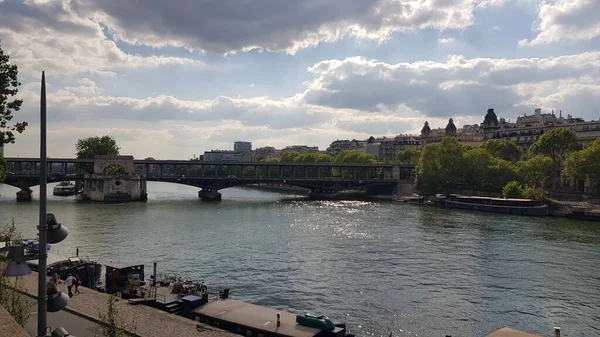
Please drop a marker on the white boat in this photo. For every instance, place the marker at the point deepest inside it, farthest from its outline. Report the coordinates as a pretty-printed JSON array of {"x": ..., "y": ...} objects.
[{"x": 65, "y": 188}]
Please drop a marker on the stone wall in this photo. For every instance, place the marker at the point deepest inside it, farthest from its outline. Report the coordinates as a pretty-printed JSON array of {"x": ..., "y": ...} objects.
[
  {"x": 122, "y": 188},
  {"x": 100, "y": 162}
]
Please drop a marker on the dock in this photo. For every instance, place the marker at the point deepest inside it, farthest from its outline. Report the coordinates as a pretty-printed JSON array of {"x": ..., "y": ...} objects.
[{"x": 149, "y": 322}]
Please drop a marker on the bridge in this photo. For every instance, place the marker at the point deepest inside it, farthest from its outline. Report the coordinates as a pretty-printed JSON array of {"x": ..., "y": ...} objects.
[{"x": 213, "y": 176}]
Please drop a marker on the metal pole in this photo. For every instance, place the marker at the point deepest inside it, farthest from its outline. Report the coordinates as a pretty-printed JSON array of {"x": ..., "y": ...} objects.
[{"x": 42, "y": 227}]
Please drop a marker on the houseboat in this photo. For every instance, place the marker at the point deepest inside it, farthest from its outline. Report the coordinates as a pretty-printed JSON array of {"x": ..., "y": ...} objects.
[
  {"x": 498, "y": 205},
  {"x": 257, "y": 321},
  {"x": 88, "y": 271},
  {"x": 64, "y": 189}
]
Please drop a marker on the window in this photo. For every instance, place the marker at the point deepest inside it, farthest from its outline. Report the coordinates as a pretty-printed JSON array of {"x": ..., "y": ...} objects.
[{"x": 248, "y": 333}]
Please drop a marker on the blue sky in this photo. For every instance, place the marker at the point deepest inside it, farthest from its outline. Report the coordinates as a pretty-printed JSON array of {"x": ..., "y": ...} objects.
[{"x": 173, "y": 79}]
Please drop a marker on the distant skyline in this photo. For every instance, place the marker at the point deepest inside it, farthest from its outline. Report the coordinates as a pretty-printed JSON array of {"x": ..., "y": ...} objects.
[{"x": 172, "y": 79}]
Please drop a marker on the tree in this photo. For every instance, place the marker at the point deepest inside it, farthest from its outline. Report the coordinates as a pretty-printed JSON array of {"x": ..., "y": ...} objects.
[
  {"x": 512, "y": 190},
  {"x": 556, "y": 144},
  {"x": 355, "y": 156},
  {"x": 408, "y": 156},
  {"x": 535, "y": 171},
  {"x": 506, "y": 150},
  {"x": 113, "y": 170},
  {"x": 476, "y": 170},
  {"x": 585, "y": 163},
  {"x": 12, "y": 294},
  {"x": 441, "y": 166},
  {"x": 8, "y": 105},
  {"x": 95, "y": 146},
  {"x": 113, "y": 324}
]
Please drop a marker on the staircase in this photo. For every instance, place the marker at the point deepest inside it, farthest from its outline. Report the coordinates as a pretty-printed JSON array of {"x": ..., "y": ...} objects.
[{"x": 173, "y": 308}]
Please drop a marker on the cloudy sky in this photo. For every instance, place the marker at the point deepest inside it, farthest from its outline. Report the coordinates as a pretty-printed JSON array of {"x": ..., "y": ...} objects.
[{"x": 171, "y": 79}]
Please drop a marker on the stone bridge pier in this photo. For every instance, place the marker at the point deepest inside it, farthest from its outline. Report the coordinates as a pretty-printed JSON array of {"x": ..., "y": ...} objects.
[
  {"x": 207, "y": 194},
  {"x": 24, "y": 194}
]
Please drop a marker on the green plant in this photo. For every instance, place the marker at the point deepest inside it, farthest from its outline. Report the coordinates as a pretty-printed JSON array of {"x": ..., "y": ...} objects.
[
  {"x": 113, "y": 170},
  {"x": 12, "y": 296},
  {"x": 112, "y": 324},
  {"x": 512, "y": 190},
  {"x": 133, "y": 286}
]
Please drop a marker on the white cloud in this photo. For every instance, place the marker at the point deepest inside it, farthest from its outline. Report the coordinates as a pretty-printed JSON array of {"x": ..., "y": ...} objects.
[
  {"x": 448, "y": 40},
  {"x": 50, "y": 35},
  {"x": 566, "y": 20},
  {"x": 228, "y": 26},
  {"x": 457, "y": 87},
  {"x": 350, "y": 98}
]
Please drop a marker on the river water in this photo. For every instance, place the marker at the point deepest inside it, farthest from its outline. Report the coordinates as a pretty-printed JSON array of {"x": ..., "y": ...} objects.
[{"x": 378, "y": 266}]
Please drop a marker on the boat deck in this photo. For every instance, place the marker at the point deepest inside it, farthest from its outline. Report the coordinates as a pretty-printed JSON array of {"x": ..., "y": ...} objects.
[
  {"x": 509, "y": 332},
  {"x": 256, "y": 317}
]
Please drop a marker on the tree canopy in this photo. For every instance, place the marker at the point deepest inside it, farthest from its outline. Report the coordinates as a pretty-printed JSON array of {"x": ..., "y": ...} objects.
[
  {"x": 584, "y": 163},
  {"x": 449, "y": 165},
  {"x": 556, "y": 144},
  {"x": 89, "y": 147},
  {"x": 8, "y": 104},
  {"x": 506, "y": 150},
  {"x": 408, "y": 156},
  {"x": 355, "y": 156},
  {"x": 535, "y": 171}
]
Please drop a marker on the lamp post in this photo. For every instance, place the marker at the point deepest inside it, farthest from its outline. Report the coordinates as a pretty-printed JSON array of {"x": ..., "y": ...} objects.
[
  {"x": 50, "y": 231},
  {"x": 42, "y": 227}
]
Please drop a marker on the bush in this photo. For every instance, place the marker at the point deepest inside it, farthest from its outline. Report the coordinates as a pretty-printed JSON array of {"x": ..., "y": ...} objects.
[
  {"x": 512, "y": 190},
  {"x": 535, "y": 193}
]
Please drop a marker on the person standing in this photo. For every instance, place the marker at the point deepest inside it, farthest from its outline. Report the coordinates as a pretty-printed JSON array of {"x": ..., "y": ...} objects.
[
  {"x": 77, "y": 284},
  {"x": 70, "y": 281}
]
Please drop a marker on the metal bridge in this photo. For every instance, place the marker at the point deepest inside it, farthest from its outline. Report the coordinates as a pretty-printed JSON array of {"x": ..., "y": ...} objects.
[{"x": 213, "y": 176}]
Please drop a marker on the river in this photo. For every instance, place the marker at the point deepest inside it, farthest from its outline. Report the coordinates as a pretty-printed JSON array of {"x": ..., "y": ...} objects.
[{"x": 378, "y": 266}]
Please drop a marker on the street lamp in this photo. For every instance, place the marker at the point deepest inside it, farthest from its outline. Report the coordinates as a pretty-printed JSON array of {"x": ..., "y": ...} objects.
[{"x": 50, "y": 231}]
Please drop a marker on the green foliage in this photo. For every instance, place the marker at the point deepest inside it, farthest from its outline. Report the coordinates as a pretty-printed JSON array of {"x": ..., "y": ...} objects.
[
  {"x": 355, "y": 156},
  {"x": 449, "y": 165},
  {"x": 506, "y": 150},
  {"x": 8, "y": 106},
  {"x": 512, "y": 190},
  {"x": 441, "y": 166},
  {"x": 271, "y": 160},
  {"x": 89, "y": 147},
  {"x": 12, "y": 296},
  {"x": 112, "y": 321},
  {"x": 584, "y": 163},
  {"x": 535, "y": 171},
  {"x": 535, "y": 193},
  {"x": 556, "y": 144},
  {"x": 113, "y": 170},
  {"x": 408, "y": 156},
  {"x": 133, "y": 286}
]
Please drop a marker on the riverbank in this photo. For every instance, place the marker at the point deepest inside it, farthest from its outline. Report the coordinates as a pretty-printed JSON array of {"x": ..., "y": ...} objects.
[{"x": 148, "y": 322}]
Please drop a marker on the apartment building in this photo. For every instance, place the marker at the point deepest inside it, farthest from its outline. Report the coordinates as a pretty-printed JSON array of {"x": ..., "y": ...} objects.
[{"x": 529, "y": 128}]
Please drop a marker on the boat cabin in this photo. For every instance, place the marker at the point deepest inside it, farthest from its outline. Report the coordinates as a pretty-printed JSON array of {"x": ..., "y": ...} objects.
[
  {"x": 117, "y": 277},
  {"x": 256, "y": 321}
]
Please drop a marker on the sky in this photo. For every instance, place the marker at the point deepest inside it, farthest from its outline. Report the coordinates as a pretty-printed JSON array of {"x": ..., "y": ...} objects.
[{"x": 172, "y": 79}]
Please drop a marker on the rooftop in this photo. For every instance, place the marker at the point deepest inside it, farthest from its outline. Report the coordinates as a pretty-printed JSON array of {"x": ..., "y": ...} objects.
[{"x": 255, "y": 316}]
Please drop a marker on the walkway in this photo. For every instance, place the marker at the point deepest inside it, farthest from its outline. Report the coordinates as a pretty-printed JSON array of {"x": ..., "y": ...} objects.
[{"x": 149, "y": 322}]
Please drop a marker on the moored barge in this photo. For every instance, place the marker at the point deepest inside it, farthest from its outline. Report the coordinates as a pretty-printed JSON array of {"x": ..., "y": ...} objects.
[
  {"x": 497, "y": 205},
  {"x": 257, "y": 321}
]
